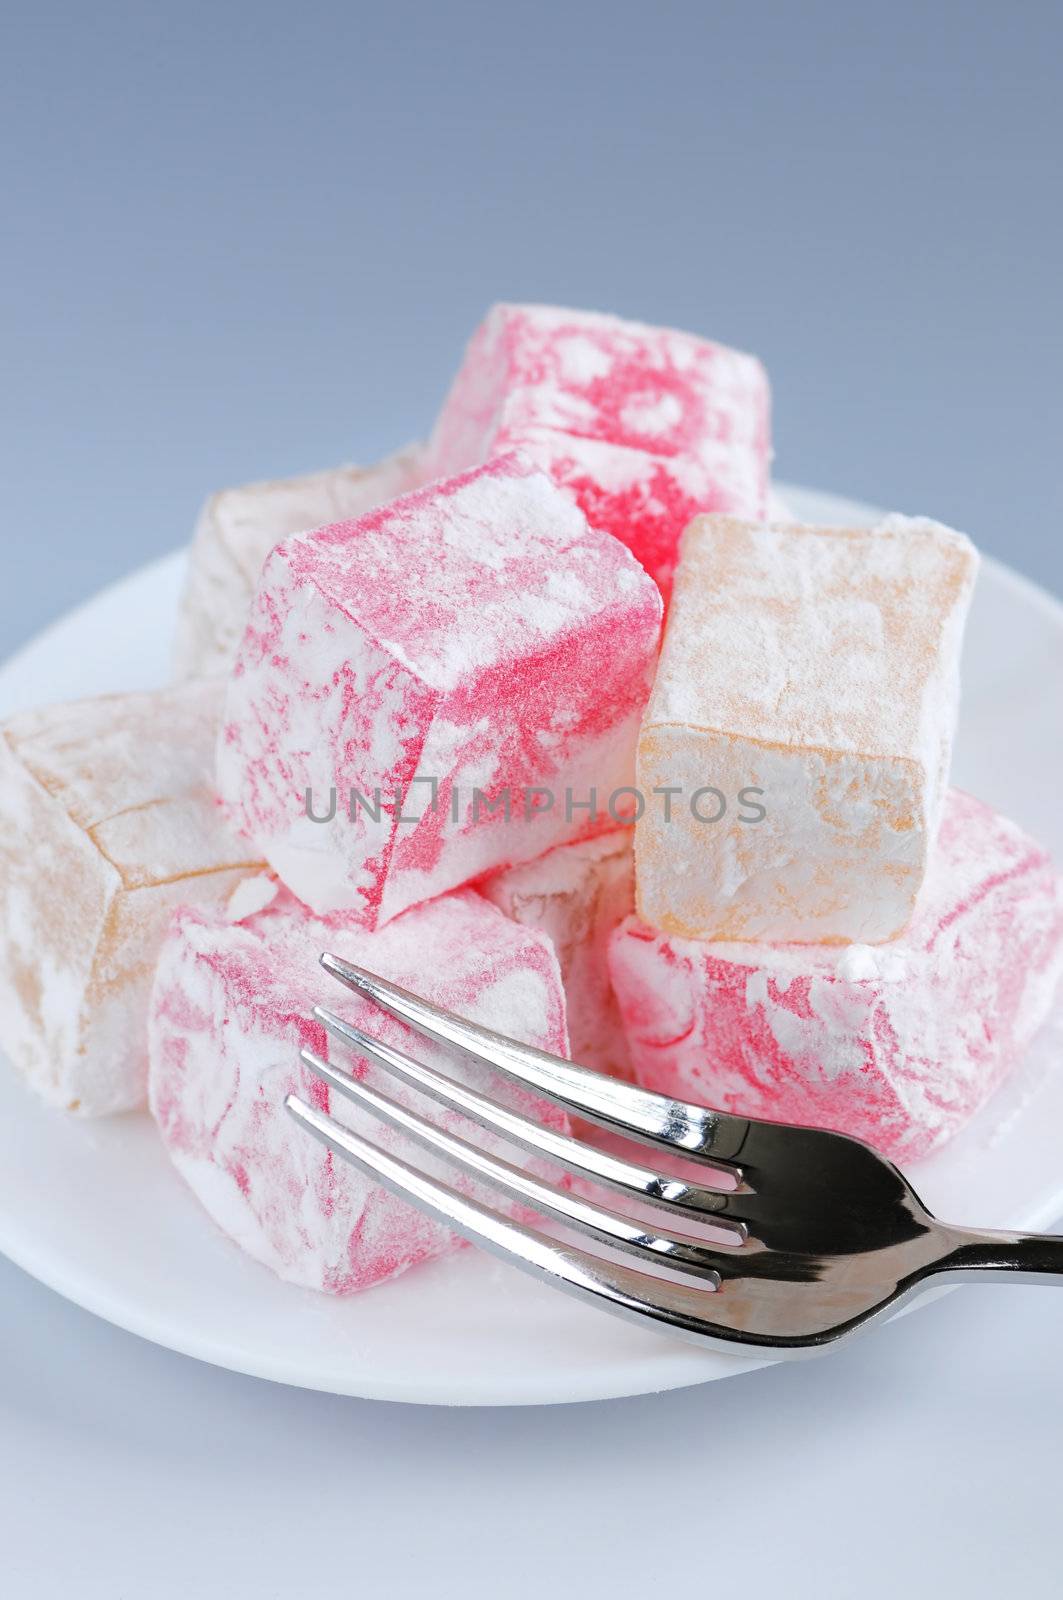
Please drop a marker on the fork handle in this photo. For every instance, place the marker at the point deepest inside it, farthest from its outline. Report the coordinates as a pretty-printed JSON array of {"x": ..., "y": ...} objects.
[{"x": 1034, "y": 1257}]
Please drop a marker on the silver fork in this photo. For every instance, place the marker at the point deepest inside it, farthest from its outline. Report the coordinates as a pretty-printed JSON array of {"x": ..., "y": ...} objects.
[{"x": 815, "y": 1234}]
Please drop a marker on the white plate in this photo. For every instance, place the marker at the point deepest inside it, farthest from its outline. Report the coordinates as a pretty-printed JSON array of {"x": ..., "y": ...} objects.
[{"x": 95, "y": 1210}]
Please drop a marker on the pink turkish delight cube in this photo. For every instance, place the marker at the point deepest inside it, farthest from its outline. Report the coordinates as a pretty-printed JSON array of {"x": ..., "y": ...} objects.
[
  {"x": 898, "y": 1043},
  {"x": 644, "y": 427},
  {"x": 578, "y": 895},
  {"x": 459, "y": 675},
  {"x": 231, "y": 1009}
]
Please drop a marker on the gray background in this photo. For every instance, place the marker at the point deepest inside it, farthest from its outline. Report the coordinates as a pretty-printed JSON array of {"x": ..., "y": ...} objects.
[{"x": 249, "y": 240}]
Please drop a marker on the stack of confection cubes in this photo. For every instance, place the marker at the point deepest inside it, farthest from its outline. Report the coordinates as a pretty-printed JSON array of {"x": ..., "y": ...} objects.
[
  {"x": 827, "y": 934},
  {"x": 425, "y": 717}
]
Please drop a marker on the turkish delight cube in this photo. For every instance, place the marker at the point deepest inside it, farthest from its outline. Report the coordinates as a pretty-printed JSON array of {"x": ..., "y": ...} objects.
[
  {"x": 578, "y": 894},
  {"x": 237, "y": 529},
  {"x": 898, "y": 1044},
  {"x": 233, "y": 1006},
  {"x": 107, "y": 821},
  {"x": 802, "y": 717},
  {"x": 642, "y": 426},
  {"x": 407, "y": 680}
]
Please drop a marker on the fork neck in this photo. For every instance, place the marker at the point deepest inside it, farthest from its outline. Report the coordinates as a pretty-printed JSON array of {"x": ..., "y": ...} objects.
[{"x": 1037, "y": 1257}]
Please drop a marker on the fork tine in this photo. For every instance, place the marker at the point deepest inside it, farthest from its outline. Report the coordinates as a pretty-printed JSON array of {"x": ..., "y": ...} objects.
[
  {"x": 675, "y": 1124},
  {"x": 693, "y": 1255},
  {"x": 680, "y": 1308},
  {"x": 659, "y": 1189}
]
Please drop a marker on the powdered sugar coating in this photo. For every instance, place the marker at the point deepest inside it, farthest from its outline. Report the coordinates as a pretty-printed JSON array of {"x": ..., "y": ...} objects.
[
  {"x": 476, "y": 633},
  {"x": 898, "y": 1045},
  {"x": 578, "y": 894},
  {"x": 819, "y": 669},
  {"x": 232, "y": 1007},
  {"x": 236, "y": 530},
  {"x": 643, "y": 426},
  {"x": 107, "y": 821}
]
